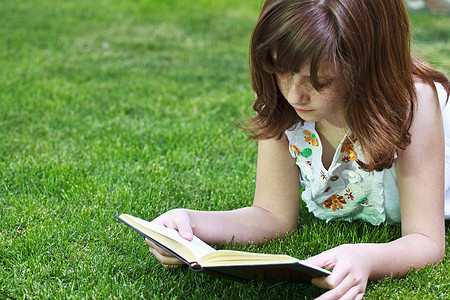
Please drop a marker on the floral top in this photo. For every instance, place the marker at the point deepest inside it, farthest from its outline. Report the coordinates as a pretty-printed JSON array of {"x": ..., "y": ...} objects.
[{"x": 344, "y": 191}]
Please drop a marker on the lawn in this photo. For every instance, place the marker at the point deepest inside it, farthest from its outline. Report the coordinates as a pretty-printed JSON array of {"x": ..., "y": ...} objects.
[{"x": 131, "y": 106}]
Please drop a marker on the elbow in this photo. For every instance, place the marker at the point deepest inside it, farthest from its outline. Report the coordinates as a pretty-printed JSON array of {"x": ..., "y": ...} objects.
[
  {"x": 287, "y": 225},
  {"x": 287, "y": 228},
  {"x": 437, "y": 258},
  {"x": 440, "y": 253},
  {"x": 275, "y": 226},
  {"x": 437, "y": 253},
  {"x": 440, "y": 249},
  {"x": 281, "y": 231},
  {"x": 281, "y": 234}
]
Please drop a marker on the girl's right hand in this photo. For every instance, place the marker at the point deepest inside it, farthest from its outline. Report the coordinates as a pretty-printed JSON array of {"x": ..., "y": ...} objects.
[{"x": 179, "y": 220}]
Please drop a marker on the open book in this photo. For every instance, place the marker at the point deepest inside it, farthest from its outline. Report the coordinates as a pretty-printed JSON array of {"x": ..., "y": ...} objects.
[{"x": 237, "y": 265}]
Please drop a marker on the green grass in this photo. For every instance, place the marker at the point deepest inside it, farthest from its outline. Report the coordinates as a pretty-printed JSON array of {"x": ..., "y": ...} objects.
[{"x": 130, "y": 106}]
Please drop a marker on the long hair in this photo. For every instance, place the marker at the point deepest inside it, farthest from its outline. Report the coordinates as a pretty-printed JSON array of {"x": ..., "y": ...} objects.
[{"x": 367, "y": 42}]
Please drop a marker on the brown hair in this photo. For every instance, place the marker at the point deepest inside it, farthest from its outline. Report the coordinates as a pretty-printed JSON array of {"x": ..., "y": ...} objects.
[{"x": 367, "y": 42}]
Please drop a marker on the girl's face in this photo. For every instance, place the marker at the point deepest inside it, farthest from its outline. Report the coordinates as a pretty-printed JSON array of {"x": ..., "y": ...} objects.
[{"x": 312, "y": 105}]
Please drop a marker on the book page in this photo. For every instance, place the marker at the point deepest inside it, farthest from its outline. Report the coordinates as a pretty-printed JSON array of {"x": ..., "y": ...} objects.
[
  {"x": 240, "y": 258},
  {"x": 171, "y": 239},
  {"x": 231, "y": 257}
]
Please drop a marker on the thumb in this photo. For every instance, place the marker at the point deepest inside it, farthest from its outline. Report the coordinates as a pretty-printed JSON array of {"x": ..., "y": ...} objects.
[
  {"x": 179, "y": 220},
  {"x": 185, "y": 230}
]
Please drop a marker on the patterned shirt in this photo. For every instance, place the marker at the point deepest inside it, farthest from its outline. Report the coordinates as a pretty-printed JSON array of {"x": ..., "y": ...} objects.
[{"x": 344, "y": 191}]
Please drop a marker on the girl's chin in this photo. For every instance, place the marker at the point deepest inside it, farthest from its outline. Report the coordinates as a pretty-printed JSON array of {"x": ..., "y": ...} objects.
[{"x": 308, "y": 117}]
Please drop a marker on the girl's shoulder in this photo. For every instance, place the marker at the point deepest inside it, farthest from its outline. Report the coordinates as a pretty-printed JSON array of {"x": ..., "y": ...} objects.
[
  {"x": 426, "y": 93},
  {"x": 427, "y": 126},
  {"x": 431, "y": 100}
]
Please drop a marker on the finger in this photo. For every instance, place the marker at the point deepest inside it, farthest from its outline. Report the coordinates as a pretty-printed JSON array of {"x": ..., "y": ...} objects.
[
  {"x": 181, "y": 223},
  {"x": 353, "y": 293},
  {"x": 166, "y": 260},
  {"x": 320, "y": 282},
  {"x": 152, "y": 245},
  {"x": 185, "y": 230},
  {"x": 162, "y": 255},
  {"x": 349, "y": 288},
  {"x": 340, "y": 272},
  {"x": 359, "y": 296}
]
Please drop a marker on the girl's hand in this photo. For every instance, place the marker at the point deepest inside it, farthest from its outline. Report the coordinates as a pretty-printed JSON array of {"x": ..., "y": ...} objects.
[
  {"x": 351, "y": 269},
  {"x": 179, "y": 220}
]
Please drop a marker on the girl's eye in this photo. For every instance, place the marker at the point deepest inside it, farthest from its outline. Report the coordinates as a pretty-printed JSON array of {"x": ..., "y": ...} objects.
[{"x": 326, "y": 83}]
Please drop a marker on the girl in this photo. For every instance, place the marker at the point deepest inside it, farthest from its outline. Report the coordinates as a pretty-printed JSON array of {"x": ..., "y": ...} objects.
[{"x": 341, "y": 101}]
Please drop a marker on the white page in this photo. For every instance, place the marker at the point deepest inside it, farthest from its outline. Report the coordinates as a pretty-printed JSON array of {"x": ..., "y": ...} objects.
[{"x": 201, "y": 248}]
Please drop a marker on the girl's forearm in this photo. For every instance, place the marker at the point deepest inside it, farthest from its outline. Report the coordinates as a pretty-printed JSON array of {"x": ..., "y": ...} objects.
[
  {"x": 254, "y": 224},
  {"x": 397, "y": 258},
  {"x": 248, "y": 224}
]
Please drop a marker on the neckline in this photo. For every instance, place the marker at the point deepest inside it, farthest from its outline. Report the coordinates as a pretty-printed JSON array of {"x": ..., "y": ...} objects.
[{"x": 334, "y": 162}]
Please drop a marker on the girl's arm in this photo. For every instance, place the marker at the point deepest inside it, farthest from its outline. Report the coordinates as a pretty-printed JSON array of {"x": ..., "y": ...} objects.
[
  {"x": 420, "y": 178},
  {"x": 274, "y": 210}
]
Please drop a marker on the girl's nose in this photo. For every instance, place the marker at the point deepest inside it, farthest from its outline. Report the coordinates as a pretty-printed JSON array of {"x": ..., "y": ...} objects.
[
  {"x": 303, "y": 98},
  {"x": 299, "y": 96}
]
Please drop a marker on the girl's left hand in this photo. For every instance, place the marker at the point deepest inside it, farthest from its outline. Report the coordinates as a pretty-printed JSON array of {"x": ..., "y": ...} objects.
[{"x": 351, "y": 269}]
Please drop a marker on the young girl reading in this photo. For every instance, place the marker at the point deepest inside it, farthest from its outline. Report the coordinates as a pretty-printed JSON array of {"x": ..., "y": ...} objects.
[{"x": 344, "y": 106}]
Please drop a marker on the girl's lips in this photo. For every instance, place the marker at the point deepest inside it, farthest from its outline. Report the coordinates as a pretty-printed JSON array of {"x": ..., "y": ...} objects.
[{"x": 303, "y": 110}]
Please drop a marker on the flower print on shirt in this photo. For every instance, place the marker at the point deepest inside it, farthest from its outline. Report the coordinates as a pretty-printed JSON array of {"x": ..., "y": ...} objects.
[
  {"x": 323, "y": 176},
  {"x": 356, "y": 194},
  {"x": 352, "y": 154},
  {"x": 346, "y": 159},
  {"x": 347, "y": 146},
  {"x": 294, "y": 150},
  {"x": 335, "y": 202},
  {"x": 311, "y": 138},
  {"x": 349, "y": 194}
]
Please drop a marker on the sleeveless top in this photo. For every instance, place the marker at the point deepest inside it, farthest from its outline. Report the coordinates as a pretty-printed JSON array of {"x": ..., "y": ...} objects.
[{"x": 344, "y": 190}]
